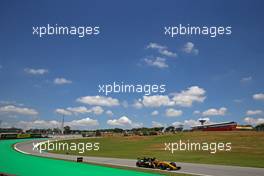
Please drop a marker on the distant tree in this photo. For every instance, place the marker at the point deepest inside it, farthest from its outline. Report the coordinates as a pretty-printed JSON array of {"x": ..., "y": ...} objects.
[
  {"x": 145, "y": 133},
  {"x": 118, "y": 130},
  {"x": 153, "y": 133},
  {"x": 170, "y": 129},
  {"x": 259, "y": 127},
  {"x": 157, "y": 128},
  {"x": 67, "y": 130},
  {"x": 98, "y": 133},
  {"x": 56, "y": 130},
  {"x": 179, "y": 128}
]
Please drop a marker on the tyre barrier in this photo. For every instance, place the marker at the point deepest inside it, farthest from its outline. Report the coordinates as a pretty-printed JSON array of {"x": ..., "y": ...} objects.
[
  {"x": 18, "y": 136},
  {"x": 4, "y": 174},
  {"x": 79, "y": 159}
]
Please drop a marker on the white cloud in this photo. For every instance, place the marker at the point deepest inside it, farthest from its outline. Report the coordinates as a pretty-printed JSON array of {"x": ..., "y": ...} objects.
[
  {"x": 157, "y": 124},
  {"x": 177, "y": 124},
  {"x": 12, "y": 109},
  {"x": 33, "y": 71},
  {"x": 122, "y": 121},
  {"x": 77, "y": 110},
  {"x": 253, "y": 121},
  {"x": 173, "y": 112},
  {"x": 11, "y": 103},
  {"x": 97, "y": 110},
  {"x": 196, "y": 112},
  {"x": 138, "y": 104},
  {"x": 38, "y": 124},
  {"x": 190, "y": 49},
  {"x": 136, "y": 125},
  {"x": 62, "y": 112},
  {"x": 254, "y": 112},
  {"x": 86, "y": 122},
  {"x": 98, "y": 100},
  {"x": 156, "y": 46},
  {"x": 155, "y": 113},
  {"x": 167, "y": 53},
  {"x": 60, "y": 81},
  {"x": 163, "y": 50},
  {"x": 215, "y": 112},
  {"x": 109, "y": 112},
  {"x": 158, "y": 62},
  {"x": 191, "y": 122},
  {"x": 246, "y": 79},
  {"x": 157, "y": 101},
  {"x": 259, "y": 96},
  {"x": 186, "y": 97},
  {"x": 6, "y": 125}
]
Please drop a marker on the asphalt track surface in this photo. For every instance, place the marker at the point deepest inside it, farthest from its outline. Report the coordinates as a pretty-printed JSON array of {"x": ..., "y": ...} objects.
[
  {"x": 20, "y": 164},
  {"x": 188, "y": 168}
]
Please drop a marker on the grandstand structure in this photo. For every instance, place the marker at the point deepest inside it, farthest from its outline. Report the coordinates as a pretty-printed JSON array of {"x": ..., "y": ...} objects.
[{"x": 223, "y": 126}]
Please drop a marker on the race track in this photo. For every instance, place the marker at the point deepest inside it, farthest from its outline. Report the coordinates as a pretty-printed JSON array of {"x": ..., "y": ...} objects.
[
  {"x": 20, "y": 164},
  {"x": 188, "y": 168}
]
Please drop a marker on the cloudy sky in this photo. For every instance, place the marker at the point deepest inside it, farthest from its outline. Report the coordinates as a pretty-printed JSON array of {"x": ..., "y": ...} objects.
[{"x": 220, "y": 78}]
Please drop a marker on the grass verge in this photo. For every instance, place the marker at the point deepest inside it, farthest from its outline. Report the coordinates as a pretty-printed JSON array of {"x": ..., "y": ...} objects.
[{"x": 247, "y": 147}]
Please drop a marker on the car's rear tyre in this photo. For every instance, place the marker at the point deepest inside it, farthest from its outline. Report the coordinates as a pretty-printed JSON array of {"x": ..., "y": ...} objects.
[{"x": 162, "y": 167}]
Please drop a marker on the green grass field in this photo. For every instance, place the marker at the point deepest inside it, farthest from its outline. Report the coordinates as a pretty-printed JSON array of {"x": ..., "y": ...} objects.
[
  {"x": 13, "y": 162},
  {"x": 247, "y": 147}
]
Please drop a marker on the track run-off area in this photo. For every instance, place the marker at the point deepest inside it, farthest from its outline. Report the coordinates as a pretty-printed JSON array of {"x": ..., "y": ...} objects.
[{"x": 17, "y": 163}]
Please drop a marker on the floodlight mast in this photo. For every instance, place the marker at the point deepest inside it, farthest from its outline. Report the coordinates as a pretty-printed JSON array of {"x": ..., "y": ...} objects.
[
  {"x": 62, "y": 124},
  {"x": 202, "y": 121}
]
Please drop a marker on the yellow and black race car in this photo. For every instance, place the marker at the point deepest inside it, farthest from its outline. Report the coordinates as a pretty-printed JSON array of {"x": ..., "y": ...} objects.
[{"x": 154, "y": 163}]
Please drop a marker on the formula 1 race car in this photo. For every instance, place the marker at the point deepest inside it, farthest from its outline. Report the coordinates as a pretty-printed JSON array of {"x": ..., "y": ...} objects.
[{"x": 156, "y": 164}]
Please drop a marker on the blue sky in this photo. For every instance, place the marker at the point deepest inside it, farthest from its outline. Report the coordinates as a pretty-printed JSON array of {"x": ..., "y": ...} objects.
[{"x": 225, "y": 73}]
